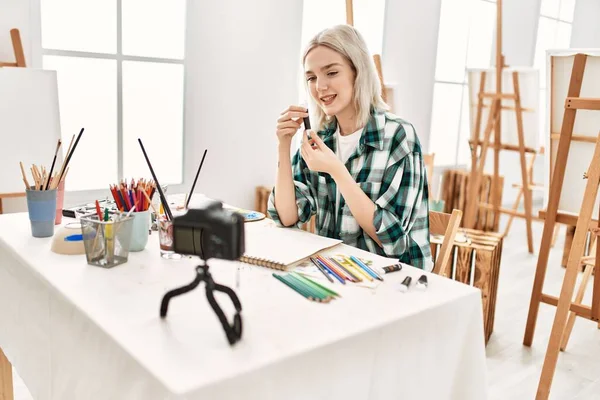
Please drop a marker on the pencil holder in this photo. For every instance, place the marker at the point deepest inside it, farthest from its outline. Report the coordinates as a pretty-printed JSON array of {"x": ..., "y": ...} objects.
[
  {"x": 140, "y": 230},
  {"x": 60, "y": 197},
  {"x": 106, "y": 243},
  {"x": 41, "y": 205}
]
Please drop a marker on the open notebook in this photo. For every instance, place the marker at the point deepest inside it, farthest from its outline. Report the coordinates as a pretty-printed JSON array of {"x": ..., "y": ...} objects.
[{"x": 282, "y": 248}]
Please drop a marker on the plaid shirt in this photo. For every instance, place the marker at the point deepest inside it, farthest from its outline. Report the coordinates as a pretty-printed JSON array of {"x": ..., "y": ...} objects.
[{"x": 388, "y": 166}]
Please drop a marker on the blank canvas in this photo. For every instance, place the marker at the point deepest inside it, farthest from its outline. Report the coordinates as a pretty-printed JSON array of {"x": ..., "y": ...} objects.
[
  {"x": 587, "y": 123},
  {"x": 29, "y": 123}
]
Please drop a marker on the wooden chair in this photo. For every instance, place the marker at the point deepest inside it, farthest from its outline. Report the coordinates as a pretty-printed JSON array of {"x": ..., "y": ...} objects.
[
  {"x": 446, "y": 225},
  {"x": 15, "y": 37}
]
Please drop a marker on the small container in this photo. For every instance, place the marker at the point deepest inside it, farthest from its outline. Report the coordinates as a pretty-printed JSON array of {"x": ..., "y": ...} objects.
[
  {"x": 106, "y": 243},
  {"x": 41, "y": 205},
  {"x": 165, "y": 237},
  {"x": 60, "y": 198},
  {"x": 140, "y": 230}
]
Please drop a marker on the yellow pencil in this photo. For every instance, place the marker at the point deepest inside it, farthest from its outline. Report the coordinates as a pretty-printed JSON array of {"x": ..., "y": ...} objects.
[{"x": 349, "y": 264}]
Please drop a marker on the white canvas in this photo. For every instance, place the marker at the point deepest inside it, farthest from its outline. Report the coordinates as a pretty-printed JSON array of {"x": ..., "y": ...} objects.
[
  {"x": 529, "y": 89},
  {"x": 29, "y": 123},
  {"x": 587, "y": 123}
]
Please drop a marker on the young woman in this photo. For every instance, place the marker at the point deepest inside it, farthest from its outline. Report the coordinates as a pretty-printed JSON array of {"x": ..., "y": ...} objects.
[{"x": 362, "y": 173}]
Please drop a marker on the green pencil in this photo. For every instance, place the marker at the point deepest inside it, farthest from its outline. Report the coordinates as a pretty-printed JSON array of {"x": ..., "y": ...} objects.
[
  {"x": 322, "y": 293},
  {"x": 294, "y": 287},
  {"x": 305, "y": 278},
  {"x": 316, "y": 292}
]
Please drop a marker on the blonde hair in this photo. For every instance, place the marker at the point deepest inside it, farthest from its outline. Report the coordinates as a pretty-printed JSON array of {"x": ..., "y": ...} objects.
[{"x": 349, "y": 43}]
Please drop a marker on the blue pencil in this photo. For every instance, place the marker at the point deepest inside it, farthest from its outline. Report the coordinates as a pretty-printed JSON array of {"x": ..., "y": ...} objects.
[
  {"x": 323, "y": 271},
  {"x": 366, "y": 268}
]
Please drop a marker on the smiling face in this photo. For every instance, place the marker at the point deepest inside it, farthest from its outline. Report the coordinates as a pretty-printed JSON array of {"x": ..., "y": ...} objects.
[{"x": 330, "y": 79}]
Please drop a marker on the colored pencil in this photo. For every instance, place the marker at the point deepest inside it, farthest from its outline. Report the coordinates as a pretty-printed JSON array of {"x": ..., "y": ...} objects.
[
  {"x": 316, "y": 294},
  {"x": 366, "y": 268},
  {"x": 323, "y": 271},
  {"x": 294, "y": 287},
  {"x": 355, "y": 277},
  {"x": 310, "y": 281},
  {"x": 355, "y": 268},
  {"x": 323, "y": 294},
  {"x": 335, "y": 274},
  {"x": 334, "y": 268}
]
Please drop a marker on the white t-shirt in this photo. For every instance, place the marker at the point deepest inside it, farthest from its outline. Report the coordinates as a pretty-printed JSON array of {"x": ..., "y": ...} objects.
[{"x": 344, "y": 149}]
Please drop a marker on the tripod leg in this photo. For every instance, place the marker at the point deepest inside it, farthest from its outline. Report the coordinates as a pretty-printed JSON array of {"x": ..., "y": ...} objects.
[{"x": 164, "y": 304}]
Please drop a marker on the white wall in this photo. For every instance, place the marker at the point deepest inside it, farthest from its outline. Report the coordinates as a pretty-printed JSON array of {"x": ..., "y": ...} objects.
[
  {"x": 241, "y": 68},
  {"x": 408, "y": 59},
  {"x": 586, "y": 26}
]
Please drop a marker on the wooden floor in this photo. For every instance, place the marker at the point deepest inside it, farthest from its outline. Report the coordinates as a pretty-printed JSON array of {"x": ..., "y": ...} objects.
[{"x": 513, "y": 370}]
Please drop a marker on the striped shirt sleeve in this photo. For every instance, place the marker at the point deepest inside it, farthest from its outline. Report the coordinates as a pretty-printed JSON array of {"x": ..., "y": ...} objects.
[{"x": 305, "y": 195}]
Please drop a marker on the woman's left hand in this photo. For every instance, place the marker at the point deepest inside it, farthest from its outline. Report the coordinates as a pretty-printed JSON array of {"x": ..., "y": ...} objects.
[{"x": 317, "y": 155}]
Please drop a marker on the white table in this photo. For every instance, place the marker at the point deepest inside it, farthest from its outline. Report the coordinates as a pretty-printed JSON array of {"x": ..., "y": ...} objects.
[{"x": 75, "y": 331}]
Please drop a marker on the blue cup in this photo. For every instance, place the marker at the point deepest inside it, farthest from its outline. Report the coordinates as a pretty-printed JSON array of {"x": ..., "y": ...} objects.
[
  {"x": 41, "y": 205},
  {"x": 140, "y": 230}
]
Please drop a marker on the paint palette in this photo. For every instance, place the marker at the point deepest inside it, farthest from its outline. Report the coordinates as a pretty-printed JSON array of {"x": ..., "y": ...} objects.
[{"x": 249, "y": 215}]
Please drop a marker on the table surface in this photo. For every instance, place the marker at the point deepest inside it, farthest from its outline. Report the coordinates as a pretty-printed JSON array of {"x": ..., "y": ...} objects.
[{"x": 188, "y": 350}]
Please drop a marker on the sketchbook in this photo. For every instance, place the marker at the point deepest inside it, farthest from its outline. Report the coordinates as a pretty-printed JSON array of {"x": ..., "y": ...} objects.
[{"x": 282, "y": 248}]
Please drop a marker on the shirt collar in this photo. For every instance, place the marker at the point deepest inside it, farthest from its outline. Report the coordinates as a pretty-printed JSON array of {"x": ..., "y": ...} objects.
[{"x": 372, "y": 135}]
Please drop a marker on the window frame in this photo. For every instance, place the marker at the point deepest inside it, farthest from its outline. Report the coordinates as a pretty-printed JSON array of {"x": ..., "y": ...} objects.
[
  {"x": 119, "y": 57},
  {"x": 465, "y": 90}
]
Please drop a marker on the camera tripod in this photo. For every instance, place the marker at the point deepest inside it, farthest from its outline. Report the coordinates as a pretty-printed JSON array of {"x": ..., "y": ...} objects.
[{"x": 232, "y": 331}]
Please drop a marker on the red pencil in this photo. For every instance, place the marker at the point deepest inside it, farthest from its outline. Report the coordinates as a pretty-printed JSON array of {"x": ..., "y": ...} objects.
[{"x": 98, "y": 211}]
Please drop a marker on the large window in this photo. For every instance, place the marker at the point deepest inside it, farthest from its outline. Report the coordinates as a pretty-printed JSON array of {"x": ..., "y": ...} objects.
[
  {"x": 120, "y": 76},
  {"x": 464, "y": 41},
  {"x": 554, "y": 32}
]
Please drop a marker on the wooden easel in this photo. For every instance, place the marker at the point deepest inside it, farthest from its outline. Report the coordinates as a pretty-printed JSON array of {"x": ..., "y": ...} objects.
[
  {"x": 376, "y": 58},
  {"x": 20, "y": 62},
  {"x": 15, "y": 37},
  {"x": 583, "y": 222},
  {"x": 494, "y": 123}
]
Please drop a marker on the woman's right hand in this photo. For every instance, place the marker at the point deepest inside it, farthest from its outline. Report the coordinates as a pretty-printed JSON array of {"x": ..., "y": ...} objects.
[{"x": 289, "y": 122}]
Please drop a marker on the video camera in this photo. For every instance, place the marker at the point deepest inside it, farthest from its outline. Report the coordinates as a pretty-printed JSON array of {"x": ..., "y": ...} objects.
[{"x": 210, "y": 232}]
